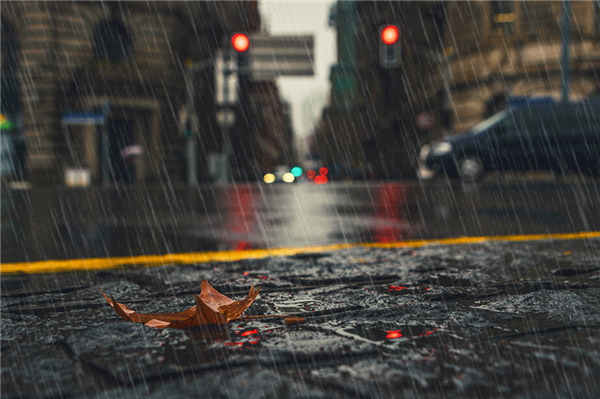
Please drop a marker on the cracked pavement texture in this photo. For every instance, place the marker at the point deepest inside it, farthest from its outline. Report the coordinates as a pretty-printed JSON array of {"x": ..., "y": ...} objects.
[{"x": 493, "y": 320}]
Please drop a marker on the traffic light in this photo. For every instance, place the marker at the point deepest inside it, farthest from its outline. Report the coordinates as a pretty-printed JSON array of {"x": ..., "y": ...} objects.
[
  {"x": 241, "y": 43},
  {"x": 389, "y": 46},
  {"x": 5, "y": 124},
  {"x": 188, "y": 133}
]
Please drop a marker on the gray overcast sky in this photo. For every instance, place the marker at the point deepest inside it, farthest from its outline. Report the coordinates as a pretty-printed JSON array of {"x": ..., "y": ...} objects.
[{"x": 307, "y": 95}]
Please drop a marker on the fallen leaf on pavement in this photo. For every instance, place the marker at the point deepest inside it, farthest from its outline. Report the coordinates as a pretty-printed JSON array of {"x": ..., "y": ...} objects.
[{"x": 211, "y": 308}]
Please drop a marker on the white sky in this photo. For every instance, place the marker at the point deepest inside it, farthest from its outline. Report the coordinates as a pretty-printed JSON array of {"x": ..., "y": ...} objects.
[{"x": 307, "y": 95}]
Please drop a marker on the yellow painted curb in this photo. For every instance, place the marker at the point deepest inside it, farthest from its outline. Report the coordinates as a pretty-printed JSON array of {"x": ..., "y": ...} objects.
[{"x": 56, "y": 266}]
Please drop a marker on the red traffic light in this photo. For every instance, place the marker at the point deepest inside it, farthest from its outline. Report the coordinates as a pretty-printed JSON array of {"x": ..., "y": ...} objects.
[
  {"x": 390, "y": 35},
  {"x": 240, "y": 42}
]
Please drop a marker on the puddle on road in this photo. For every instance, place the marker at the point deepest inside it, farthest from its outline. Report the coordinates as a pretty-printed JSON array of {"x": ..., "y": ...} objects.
[{"x": 208, "y": 346}]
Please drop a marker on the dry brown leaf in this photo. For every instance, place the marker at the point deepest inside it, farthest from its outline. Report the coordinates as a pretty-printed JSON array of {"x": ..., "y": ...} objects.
[{"x": 211, "y": 308}]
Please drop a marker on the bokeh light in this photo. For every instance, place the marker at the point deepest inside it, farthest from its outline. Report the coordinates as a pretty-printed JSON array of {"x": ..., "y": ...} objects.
[
  {"x": 390, "y": 35},
  {"x": 323, "y": 171},
  {"x": 288, "y": 178},
  {"x": 269, "y": 178},
  {"x": 240, "y": 42},
  {"x": 297, "y": 171},
  {"x": 310, "y": 174}
]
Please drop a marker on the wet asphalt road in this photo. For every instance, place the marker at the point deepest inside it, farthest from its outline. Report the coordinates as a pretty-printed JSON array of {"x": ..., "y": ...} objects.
[
  {"x": 62, "y": 223},
  {"x": 489, "y": 320}
]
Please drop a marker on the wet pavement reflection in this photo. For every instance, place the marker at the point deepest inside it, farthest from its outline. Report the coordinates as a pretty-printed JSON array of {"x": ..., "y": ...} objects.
[{"x": 60, "y": 223}]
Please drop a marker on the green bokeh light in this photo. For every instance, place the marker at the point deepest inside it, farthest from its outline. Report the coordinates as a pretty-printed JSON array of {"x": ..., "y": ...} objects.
[
  {"x": 7, "y": 125},
  {"x": 189, "y": 134},
  {"x": 296, "y": 171}
]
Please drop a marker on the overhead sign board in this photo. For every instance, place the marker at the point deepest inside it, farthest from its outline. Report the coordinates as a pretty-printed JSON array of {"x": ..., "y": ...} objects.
[
  {"x": 83, "y": 118},
  {"x": 274, "y": 56}
]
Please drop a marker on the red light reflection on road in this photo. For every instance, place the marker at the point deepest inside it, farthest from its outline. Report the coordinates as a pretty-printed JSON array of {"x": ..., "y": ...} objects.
[
  {"x": 241, "y": 216},
  {"x": 246, "y": 333},
  {"x": 389, "y": 201},
  {"x": 393, "y": 334},
  {"x": 243, "y": 245}
]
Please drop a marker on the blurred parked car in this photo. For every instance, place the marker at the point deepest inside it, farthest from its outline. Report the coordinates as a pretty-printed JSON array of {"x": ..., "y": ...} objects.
[{"x": 563, "y": 137}]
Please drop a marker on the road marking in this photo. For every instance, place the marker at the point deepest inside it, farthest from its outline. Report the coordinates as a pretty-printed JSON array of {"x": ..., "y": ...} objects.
[{"x": 56, "y": 266}]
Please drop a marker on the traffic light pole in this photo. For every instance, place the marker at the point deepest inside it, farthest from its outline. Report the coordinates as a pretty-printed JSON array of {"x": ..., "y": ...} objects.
[
  {"x": 105, "y": 154},
  {"x": 566, "y": 30},
  {"x": 191, "y": 152},
  {"x": 444, "y": 61},
  {"x": 224, "y": 167}
]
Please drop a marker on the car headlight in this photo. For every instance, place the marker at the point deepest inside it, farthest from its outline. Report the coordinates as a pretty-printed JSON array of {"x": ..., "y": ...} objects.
[{"x": 441, "y": 148}]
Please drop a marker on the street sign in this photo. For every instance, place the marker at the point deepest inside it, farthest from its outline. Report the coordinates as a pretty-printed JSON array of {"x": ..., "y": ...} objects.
[
  {"x": 274, "y": 56},
  {"x": 83, "y": 118},
  {"x": 226, "y": 79},
  {"x": 225, "y": 117},
  {"x": 425, "y": 120}
]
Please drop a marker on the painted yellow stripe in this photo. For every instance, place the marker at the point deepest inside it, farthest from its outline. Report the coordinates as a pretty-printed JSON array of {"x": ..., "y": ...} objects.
[{"x": 55, "y": 266}]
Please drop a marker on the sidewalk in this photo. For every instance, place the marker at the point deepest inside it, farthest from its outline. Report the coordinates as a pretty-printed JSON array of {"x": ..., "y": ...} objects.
[{"x": 495, "y": 319}]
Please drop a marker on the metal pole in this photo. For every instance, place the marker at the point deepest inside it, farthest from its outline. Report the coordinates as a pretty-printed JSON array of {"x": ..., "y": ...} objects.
[
  {"x": 224, "y": 164},
  {"x": 105, "y": 157},
  {"x": 566, "y": 30},
  {"x": 192, "y": 155}
]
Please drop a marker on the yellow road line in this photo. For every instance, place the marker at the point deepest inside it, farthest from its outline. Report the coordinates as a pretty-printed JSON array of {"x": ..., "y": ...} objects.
[{"x": 55, "y": 266}]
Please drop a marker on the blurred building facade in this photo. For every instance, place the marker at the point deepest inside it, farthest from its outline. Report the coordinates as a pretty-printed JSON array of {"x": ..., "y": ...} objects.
[
  {"x": 502, "y": 49},
  {"x": 461, "y": 61},
  {"x": 62, "y": 57}
]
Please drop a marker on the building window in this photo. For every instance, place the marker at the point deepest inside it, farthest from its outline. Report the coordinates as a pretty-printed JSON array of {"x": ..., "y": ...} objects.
[
  {"x": 8, "y": 48},
  {"x": 11, "y": 99},
  {"x": 112, "y": 42},
  {"x": 503, "y": 18}
]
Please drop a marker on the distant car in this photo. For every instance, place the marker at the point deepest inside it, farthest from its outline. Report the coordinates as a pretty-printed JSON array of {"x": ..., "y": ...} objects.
[
  {"x": 563, "y": 137},
  {"x": 280, "y": 174}
]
